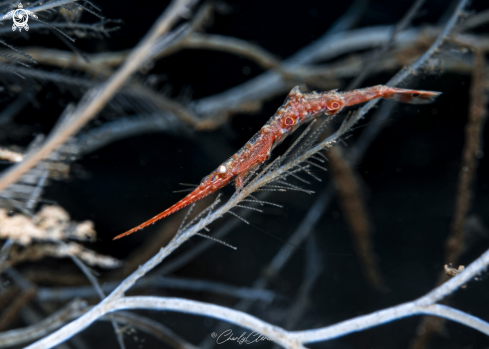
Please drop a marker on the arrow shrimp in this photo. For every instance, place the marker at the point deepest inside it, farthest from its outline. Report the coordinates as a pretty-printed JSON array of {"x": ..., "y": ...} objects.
[{"x": 299, "y": 107}]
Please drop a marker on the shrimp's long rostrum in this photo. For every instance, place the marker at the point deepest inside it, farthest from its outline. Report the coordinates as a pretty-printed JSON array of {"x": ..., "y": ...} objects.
[{"x": 298, "y": 108}]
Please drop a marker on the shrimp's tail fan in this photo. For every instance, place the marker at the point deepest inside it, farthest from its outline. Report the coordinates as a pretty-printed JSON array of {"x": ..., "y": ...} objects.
[{"x": 410, "y": 96}]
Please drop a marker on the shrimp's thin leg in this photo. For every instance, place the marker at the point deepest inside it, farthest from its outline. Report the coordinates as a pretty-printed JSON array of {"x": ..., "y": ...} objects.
[{"x": 257, "y": 161}]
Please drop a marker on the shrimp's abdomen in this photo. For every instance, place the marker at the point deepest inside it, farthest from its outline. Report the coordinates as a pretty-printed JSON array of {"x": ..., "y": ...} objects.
[{"x": 387, "y": 92}]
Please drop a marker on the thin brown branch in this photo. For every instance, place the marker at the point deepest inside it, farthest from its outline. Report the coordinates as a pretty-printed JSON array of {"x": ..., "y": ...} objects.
[
  {"x": 10, "y": 313},
  {"x": 7, "y": 296},
  {"x": 473, "y": 133},
  {"x": 354, "y": 208},
  {"x": 454, "y": 247},
  {"x": 44, "y": 327}
]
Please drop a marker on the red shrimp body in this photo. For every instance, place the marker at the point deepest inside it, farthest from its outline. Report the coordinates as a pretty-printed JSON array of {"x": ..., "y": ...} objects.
[{"x": 298, "y": 108}]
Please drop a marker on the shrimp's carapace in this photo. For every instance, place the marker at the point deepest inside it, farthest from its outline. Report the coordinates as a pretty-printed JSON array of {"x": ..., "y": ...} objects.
[{"x": 299, "y": 107}]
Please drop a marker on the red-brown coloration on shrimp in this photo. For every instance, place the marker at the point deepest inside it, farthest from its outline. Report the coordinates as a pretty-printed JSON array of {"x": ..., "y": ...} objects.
[
  {"x": 393, "y": 93},
  {"x": 297, "y": 109},
  {"x": 209, "y": 185}
]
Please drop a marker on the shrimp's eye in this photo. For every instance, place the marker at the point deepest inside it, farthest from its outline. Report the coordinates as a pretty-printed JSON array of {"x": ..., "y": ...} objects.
[
  {"x": 289, "y": 121},
  {"x": 334, "y": 105},
  {"x": 222, "y": 169}
]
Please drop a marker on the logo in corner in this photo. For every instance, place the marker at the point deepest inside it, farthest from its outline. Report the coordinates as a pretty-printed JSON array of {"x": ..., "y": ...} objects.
[{"x": 20, "y": 18}]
